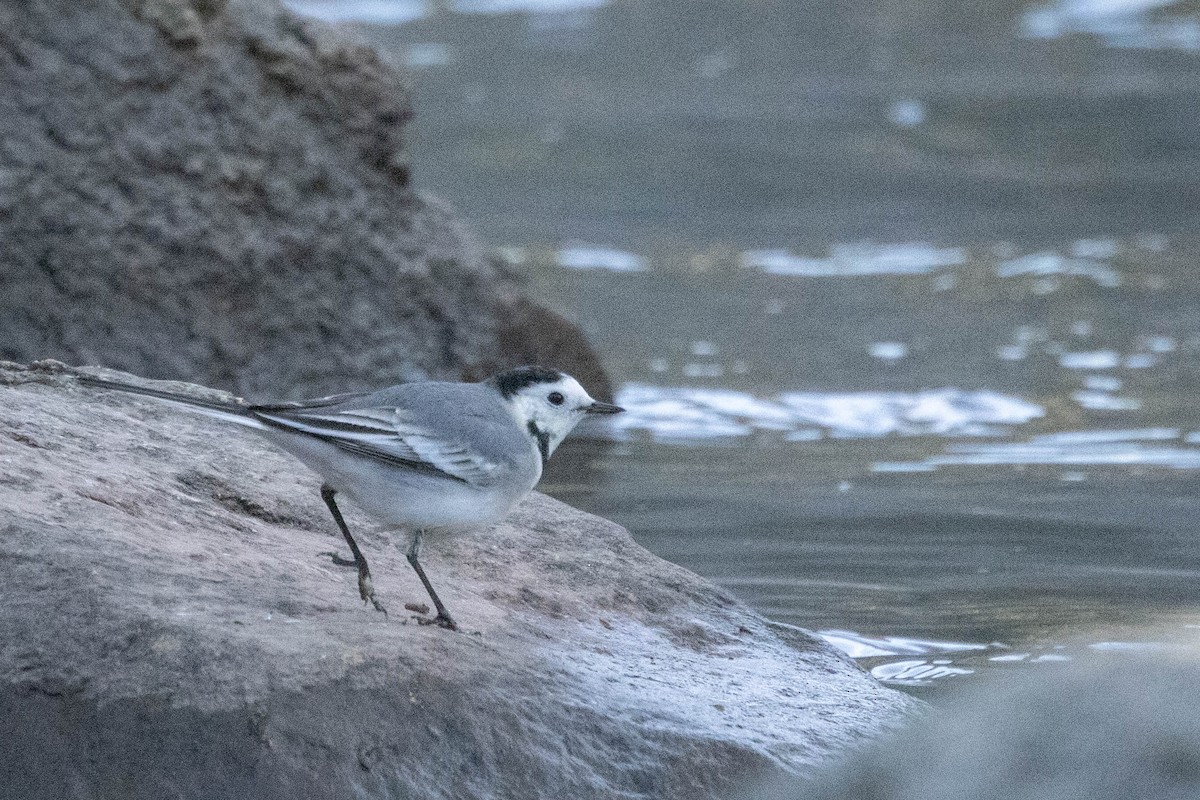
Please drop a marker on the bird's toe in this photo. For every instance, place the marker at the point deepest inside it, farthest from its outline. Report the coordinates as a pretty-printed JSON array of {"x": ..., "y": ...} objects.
[{"x": 441, "y": 620}]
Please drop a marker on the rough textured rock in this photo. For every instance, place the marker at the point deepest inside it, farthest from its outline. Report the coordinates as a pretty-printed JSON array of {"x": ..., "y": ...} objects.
[
  {"x": 220, "y": 192},
  {"x": 1120, "y": 728},
  {"x": 169, "y": 628}
]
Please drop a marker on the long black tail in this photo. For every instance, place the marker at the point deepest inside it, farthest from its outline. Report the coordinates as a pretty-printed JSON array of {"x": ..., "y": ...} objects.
[{"x": 229, "y": 411}]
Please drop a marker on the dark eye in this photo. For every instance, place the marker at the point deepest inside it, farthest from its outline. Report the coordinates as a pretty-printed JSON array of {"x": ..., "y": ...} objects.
[{"x": 556, "y": 398}]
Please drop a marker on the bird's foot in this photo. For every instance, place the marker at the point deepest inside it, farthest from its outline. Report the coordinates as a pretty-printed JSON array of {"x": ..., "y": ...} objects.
[
  {"x": 366, "y": 590},
  {"x": 441, "y": 620},
  {"x": 378, "y": 606}
]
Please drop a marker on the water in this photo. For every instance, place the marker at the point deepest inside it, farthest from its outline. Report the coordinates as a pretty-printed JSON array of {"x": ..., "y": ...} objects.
[
  {"x": 904, "y": 305},
  {"x": 1006, "y": 559},
  {"x": 1000, "y": 519}
]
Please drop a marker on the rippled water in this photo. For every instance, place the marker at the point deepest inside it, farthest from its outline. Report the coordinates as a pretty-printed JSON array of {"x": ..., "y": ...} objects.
[{"x": 960, "y": 518}]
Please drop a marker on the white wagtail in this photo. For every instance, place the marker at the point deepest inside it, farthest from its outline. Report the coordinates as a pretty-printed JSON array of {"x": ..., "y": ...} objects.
[{"x": 418, "y": 456}]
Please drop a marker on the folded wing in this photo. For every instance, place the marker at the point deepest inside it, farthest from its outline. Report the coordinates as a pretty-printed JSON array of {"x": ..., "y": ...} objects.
[{"x": 382, "y": 434}]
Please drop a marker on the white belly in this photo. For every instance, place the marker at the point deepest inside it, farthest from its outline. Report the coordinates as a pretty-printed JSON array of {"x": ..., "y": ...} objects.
[
  {"x": 429, "y": 504},
  {"x": 404, "y": 498}
]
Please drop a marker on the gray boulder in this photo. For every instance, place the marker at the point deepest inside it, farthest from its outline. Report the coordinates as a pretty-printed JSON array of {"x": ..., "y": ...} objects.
[
  {"x": 169, "y": 627},
  {"x": 1118, "y": 728},
  {"x": 220, "y": 192}
]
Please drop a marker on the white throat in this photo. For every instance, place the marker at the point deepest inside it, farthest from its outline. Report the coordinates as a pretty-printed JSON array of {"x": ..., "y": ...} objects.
[
  {"x": 546, "y": 428},
  {"x": 546, "y": 422}
]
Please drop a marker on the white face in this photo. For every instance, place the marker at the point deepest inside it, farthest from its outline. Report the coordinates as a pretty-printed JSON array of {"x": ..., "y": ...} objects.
[{"x": 555, "y": 408}]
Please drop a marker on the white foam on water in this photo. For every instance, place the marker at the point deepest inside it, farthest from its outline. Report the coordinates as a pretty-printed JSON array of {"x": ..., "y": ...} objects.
[
  {"x": 694, "y": 370},
  {"x": 856, "y": 645},
  {"x": 860, "y": 258},
  {"x": 1140, "y": 361},
  {"x": 672, "y": 418},
  {"x": 1129, "y": 647},
  {"x": 530, "y": 6},
  {"x": 1160, "y": 344},
  {"x": 1109, "y": 455},
  {"x": 946, "y": 412},
  {"x": 1095, "y": 359},
  {"x": 902, "y": 466},
  {"x": 1107, "y": 435},
  {"x": 578, "y": 255},
  {"x": 888, "y": 351},
  {"x": 379, "y": 12},
  {"x": 1149, "y": 447},
  {"x": 906, "y": 113},
  {"x": 395, "y": 12},
  {"x": 1011, "y": 352},
  {"x": 915, "y": 672},
  {"x": 1116, "y": 23},
  {"x": 1102, "y": 383},
  {"x": 1049, "y": 263},
  {"x": 681, "y": 413},
  {"x": 1103, "y": 401},
  {"x": 1094, "y": 248}
]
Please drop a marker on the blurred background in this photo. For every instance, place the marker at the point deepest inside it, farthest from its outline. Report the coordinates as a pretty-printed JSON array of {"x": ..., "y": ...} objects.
[{"x": 901, "y": 296}]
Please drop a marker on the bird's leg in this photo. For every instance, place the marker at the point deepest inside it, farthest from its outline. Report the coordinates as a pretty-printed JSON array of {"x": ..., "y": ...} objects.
[
  {"x": 443, "y": 616},
  {"x": 366, "y": 589}
]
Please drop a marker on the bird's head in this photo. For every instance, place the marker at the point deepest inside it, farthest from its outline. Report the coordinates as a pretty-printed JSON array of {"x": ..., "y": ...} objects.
[{"x": 547, "y": 403}]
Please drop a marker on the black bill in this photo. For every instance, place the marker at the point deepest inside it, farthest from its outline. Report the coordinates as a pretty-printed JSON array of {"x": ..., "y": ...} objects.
[{"x": 603, "y": 408}]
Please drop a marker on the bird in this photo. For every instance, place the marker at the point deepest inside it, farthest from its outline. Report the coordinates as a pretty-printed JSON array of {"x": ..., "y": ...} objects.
[{"x": 421, "y": 456}]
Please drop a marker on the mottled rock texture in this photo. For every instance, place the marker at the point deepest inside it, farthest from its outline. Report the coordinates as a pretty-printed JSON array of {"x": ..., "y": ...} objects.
[
  {"x": 169, "y": 627},
  {"x": 220, "y": 192}
]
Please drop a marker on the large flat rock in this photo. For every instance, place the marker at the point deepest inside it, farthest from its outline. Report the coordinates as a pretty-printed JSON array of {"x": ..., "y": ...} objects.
[{"x": 169, "y": 627}]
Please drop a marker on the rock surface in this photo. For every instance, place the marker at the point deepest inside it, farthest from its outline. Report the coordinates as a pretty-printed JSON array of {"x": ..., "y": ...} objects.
[
  {"x": 169, "y": 627},
  {"x": 1117, "y": 728},
  {"x": 217, "y": 191}
]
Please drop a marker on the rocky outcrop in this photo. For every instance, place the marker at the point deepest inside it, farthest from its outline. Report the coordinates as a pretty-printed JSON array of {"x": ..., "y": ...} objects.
[
  {"x": 1121, "y": 727},
  {"x": 169, "y": 627},
  {"x": 219, "y": 191}
]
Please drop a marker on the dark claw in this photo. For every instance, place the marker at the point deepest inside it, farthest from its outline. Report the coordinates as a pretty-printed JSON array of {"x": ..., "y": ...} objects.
[
  {"x": 366, "y": 590},
  {"x": 442, "y": 621}
]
